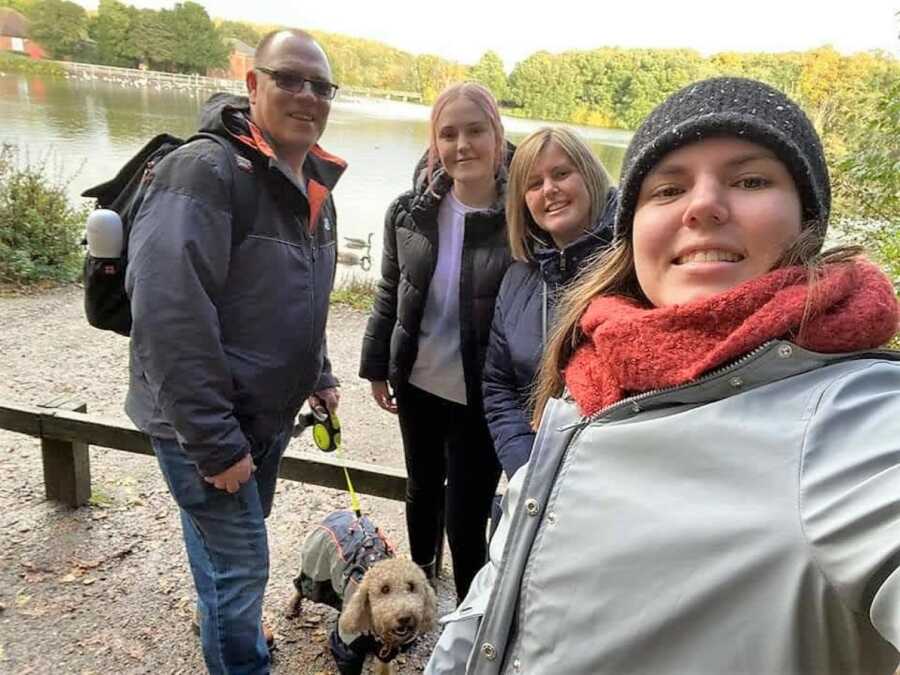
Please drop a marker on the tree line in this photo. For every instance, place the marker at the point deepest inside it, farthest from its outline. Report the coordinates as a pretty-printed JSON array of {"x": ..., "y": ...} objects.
[{"x": 854, "y": 101}]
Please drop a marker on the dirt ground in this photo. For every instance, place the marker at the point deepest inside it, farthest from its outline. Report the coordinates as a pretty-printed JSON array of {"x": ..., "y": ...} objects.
[{"x": 105, "y": 588}]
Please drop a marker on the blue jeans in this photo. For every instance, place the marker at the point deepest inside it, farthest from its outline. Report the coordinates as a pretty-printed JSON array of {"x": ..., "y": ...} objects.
[{"x": 228, "y": 550}]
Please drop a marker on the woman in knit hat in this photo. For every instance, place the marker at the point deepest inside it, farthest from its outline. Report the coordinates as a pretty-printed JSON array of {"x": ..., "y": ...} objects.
[{"x": 715, "y": 483}]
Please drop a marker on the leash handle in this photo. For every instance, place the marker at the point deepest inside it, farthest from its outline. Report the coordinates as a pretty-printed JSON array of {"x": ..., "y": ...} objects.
[{"x": 327, "y": 437}]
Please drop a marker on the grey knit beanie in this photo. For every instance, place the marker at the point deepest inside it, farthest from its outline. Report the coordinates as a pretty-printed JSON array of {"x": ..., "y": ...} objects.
[{"x": 729, "y": 106}]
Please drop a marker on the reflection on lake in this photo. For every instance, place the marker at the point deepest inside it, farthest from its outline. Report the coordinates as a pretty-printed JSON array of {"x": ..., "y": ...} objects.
[{"x": 92, "y": 128}]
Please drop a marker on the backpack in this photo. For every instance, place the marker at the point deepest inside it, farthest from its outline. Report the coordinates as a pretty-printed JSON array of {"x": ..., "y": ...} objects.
[{"x": 106, "y": 304}]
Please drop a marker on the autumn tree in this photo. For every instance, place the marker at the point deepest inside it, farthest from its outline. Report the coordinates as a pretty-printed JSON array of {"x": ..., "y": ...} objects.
[
  {"x": 489, "y": 72},
  {"x": 241, "y": 30},
  {"x": 545, "y": 86}
]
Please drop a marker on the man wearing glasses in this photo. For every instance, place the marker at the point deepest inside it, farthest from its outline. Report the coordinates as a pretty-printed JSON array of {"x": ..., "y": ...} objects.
[{"x": 231, "y": 263}]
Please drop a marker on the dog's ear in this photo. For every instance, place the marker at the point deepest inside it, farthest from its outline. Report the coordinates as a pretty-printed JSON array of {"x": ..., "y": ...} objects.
[
  {"x": 355, "y": 617},
  {"x": 430, "y": 610}
]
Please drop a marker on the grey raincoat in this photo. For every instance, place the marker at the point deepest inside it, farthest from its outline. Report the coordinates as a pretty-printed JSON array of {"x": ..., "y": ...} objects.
[{"x": 748, "y": 522}]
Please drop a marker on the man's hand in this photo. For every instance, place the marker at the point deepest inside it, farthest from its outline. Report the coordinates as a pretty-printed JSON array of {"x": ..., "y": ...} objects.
[
  {"x": 234, "y": 476},
  {"x": 330, "y": 398},
  {"x": 384, "y": 397}
]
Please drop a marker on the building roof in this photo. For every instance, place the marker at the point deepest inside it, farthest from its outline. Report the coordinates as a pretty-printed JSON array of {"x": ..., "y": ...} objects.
[
  {"x": 239, "y": 46},
  {"x": 13, "y": 24}
]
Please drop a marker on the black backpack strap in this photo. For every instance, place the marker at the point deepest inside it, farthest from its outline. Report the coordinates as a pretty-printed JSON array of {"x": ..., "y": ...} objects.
[{"x": 244, "y": 186}]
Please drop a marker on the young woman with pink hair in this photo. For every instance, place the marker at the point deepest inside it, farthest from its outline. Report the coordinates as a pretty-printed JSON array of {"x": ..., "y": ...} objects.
[{"x": 445, "y": 253}]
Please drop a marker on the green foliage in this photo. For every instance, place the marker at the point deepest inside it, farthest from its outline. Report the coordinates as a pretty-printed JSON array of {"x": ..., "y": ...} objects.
[
  {"x": 243, "y": 31},
  {"x": 546, "y": 86},
  {"x": 112, "y": 29},
  {"x": 21, "y": 6},
  {"x": 59, "y": 25},
  {"x": 434, "y": 74},
  {"x": 366, "y": 63},
  {"x": 39, "y": 228},
  {"x": 489, "y": 72},
  {"x": 198, "y": 45},
  {"x": 355, "y": 293},
  {"x": 19, "y": 63},
  {"x": 866, "y": 178},
  {"x": 153, "y": 41}
]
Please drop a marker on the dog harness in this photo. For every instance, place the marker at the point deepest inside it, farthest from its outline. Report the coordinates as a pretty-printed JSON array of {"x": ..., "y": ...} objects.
[{"x": 336, "y": 556}]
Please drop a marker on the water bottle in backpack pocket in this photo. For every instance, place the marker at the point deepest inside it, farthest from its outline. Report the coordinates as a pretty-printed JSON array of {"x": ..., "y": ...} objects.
[{"x": 105, "y": 302}]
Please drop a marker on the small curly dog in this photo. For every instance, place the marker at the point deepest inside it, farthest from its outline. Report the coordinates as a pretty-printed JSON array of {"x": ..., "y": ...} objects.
[{"x": 385, "y": 602}]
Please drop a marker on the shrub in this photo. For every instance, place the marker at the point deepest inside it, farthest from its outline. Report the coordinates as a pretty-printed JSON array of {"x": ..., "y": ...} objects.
[
  {"x": 354, "y": 292},
  {"x": 40, "y": 229},
  {"x": 17, "y": 63}
]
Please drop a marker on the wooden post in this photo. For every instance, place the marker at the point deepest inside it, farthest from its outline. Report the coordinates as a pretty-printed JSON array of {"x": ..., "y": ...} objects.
[{"x": 67, "y": 464}]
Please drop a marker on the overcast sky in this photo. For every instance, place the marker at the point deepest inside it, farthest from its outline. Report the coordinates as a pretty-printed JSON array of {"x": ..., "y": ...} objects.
[{"x": 462, "y": 30}]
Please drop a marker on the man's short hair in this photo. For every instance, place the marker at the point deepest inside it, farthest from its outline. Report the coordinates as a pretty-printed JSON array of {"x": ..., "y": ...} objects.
[{"x": 264, "y": 46}]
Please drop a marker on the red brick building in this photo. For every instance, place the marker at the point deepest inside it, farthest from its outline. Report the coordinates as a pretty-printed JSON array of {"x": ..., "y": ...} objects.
[
  {"x": 14, "y": 35},
  {"x": 240, "y": 60}
]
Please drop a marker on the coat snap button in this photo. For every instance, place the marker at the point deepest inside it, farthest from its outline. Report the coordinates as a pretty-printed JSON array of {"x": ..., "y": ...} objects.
[
  {"x": 517, "y": 664},
  {"x": 736, "y": 382},
  {"x": 488, "y": 651},
  {"x": 785, "y": 351},
  {"x": 635, "y": 408},
  {"x": 531, "y": 506}
]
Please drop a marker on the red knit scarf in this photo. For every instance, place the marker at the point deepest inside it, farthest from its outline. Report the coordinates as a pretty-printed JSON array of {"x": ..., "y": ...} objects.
[{"x": 633, "y": 349}]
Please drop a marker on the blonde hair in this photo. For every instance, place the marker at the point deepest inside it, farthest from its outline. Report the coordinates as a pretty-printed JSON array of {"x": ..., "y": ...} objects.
[
  {"x": 485, "y": 101},
  {"x": 612, "y": 272},
  {"x": 522, "y": 230}
]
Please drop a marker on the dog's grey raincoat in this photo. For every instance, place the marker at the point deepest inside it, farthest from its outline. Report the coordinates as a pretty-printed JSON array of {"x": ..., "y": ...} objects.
[
  {"x": 745, "y": 523},
  {"x": 336, "y": 556}
]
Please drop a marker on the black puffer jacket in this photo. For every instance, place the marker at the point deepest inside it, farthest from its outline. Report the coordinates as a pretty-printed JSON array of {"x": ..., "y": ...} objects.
[
  {"x": 390, "y": 344},
  {"x": 523, "y": 314}
]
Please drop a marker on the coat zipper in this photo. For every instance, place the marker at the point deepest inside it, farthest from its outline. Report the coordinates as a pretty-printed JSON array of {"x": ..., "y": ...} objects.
[{"x": 635, "y": 400}]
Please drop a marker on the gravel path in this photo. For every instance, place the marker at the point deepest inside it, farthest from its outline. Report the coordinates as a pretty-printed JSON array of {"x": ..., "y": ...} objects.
[{"x": 105, "y": 588}]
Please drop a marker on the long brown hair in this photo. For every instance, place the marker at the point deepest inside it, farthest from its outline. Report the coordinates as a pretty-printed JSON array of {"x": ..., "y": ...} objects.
[{"x": 612, "y": 272}]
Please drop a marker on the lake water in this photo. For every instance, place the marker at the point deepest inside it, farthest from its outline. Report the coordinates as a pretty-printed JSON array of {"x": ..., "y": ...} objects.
[{"x": 87, "y": 129}]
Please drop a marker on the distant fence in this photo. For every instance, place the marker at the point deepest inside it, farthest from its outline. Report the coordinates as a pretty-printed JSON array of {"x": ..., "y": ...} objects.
[{"x": 154, "y": 78}]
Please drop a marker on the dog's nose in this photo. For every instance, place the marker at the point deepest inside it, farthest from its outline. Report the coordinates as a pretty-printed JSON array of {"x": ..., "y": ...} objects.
[{"x": 405, "y": 621}]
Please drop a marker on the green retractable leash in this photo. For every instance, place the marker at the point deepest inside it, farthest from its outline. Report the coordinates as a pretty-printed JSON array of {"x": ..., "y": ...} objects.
[{"x": 326, "y": 433}]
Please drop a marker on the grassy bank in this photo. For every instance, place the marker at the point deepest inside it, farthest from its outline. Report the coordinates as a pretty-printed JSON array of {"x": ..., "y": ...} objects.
[
  {"x": 355, "y": 293},
  {"x": 16, "y": 63}
]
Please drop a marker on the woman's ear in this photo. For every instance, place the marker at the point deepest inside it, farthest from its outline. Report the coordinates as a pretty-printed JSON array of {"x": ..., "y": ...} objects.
[{"x": 355, "y": 616}]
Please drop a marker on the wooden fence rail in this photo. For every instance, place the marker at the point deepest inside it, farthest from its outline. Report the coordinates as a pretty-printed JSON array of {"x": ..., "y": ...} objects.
[{"x": 66, "y": 432}]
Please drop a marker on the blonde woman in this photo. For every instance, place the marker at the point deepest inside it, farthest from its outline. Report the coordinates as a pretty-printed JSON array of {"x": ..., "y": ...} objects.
[
  {"x": 559, "y": 211},
  {"x": 445, "y": 253},
  {"x": 716, "y": 490}
]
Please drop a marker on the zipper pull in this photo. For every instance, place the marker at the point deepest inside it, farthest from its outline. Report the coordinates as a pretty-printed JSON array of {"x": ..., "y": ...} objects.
[{"x": 582, "y": 421}]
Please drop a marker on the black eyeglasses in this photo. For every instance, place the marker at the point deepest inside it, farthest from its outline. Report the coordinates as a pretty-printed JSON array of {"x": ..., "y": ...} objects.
[{"x": 295, "y": 83}]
